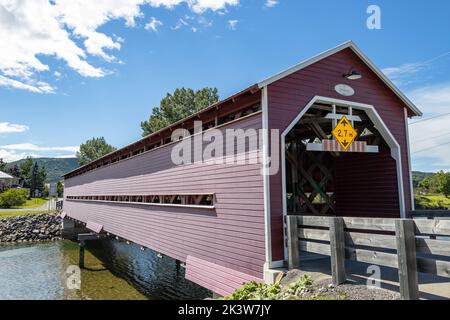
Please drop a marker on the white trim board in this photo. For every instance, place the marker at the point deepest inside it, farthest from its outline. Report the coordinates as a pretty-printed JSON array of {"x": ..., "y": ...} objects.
[
  {"x": 411, "y": 187},
  {"x": 361, "y": 55},
  {"x": 379, "y": 124},
  {"x": 266, "y": 177}
]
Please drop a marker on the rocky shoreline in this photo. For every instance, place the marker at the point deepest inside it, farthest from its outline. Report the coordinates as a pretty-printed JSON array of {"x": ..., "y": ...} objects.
[{"x": 30, "y": 228}]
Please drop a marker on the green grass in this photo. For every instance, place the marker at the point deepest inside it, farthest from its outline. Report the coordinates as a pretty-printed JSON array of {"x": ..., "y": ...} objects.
[
  {"x": 12, "y": 213},
  {"x": 32, "y": 203},
  {"x": 431, "y": 201}
]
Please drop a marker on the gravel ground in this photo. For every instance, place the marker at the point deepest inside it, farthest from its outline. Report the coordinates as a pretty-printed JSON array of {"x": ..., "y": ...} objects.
[{"x": 322, "y": 288}]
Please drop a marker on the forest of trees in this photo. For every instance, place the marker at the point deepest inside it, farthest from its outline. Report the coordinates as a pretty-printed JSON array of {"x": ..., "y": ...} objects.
[{"x": 434, "y": 183}]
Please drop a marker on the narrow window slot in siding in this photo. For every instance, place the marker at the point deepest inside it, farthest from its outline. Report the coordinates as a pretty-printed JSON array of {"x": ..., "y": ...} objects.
[{"x": 183, "y": 200}]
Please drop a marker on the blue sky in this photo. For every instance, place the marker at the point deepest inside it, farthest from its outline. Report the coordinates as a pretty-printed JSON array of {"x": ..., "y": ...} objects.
[{"x": 73, "y": 70}]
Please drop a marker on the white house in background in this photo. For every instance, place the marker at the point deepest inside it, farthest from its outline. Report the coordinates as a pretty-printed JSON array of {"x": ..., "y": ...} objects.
[{"x": 7, "y": 181}]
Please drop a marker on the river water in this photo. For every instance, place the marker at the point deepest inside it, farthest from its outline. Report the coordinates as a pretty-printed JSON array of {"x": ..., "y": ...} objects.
[{"x": 113, "y": 270}]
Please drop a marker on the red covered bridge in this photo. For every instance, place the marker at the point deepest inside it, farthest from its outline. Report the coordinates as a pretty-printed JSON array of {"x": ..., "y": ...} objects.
[{"x": 224, "y": 219}]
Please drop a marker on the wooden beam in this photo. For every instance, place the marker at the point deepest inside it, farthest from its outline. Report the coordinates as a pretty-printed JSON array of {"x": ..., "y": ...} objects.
[
  {"x": 407, "y": 260},
  {"x": 293, "y": 248},
  {"x": 337, "y": 244}
]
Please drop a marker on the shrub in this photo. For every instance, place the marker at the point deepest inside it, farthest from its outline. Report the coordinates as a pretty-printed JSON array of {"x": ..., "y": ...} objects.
[
  {"x": 256, "y": 291},
  {"x": 13, "y": 197},
  {"x": 261, "y": 291}
]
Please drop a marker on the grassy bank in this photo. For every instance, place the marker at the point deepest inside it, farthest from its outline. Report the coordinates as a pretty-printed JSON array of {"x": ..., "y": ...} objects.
[
  {"x": 14, "y": 213},
  {"x": 431, "y": 201},
  {"x": 32, "y": 203}
]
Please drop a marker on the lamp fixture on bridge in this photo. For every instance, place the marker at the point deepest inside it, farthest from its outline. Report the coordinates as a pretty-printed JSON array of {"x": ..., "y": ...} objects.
[{"x": 353, "y": 74}]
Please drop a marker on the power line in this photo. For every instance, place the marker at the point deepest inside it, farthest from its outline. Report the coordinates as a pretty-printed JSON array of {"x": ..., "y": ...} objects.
[
  {"x": 427, "y": 119},
  {"x": 429, "y": 138},
  {"x": 429, "y": 148}
]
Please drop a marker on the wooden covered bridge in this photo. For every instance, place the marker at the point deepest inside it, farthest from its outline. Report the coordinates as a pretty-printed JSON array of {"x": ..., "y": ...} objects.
[{"x": 226, "y": 220}]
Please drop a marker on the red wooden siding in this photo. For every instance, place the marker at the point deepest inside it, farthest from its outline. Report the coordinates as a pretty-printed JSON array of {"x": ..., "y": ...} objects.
[
  {"x": 366, "y": 185},
  {"x": 220, "y": 279},
  {"x": 230, "y": 236},
  {"x": 288, "y": 96}
]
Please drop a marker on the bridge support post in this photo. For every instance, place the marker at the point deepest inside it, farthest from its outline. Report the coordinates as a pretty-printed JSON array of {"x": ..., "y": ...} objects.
[
  {"x": 81, "y": 257},
  {"x": 68, "y": 228},
  {"x": 68, "y": 224}
]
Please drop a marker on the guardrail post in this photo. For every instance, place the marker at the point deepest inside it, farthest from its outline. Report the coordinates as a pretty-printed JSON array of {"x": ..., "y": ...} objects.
[
  {"x": 337, "y": 246},
  {"x": 407, "y": 261},
  {"x": 293, "y": 247}
]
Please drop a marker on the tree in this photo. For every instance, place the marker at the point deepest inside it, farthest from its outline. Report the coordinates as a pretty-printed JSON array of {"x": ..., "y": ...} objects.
[
  {"x": 445, "y": 188},
  {"x": 45, "y": 191},
  {"x": 15, "y": 171},
  {"x": 25, "y": 171},
  {"x": 13, "y": 197},
  {"x": 60, "y": 189},
  {"x": 93, "y": 149},
  {"x": 443, "y": 179},
  {"x": 42, "y": 175},
  {"x": 181, "y": 104},
  {"x": 2, "y": 165},
  {"x": 35, "y": 180}
]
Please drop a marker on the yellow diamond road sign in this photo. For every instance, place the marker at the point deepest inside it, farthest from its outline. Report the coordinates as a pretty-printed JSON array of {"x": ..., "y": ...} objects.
[{"x": 344, "y": 133}]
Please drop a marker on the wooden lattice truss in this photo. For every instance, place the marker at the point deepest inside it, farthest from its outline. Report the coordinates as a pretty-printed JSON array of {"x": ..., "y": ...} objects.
[{"x": 310, "y": 175}]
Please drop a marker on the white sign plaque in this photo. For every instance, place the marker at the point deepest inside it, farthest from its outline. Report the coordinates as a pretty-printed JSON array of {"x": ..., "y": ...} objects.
[{"x": 344, "y": 90}]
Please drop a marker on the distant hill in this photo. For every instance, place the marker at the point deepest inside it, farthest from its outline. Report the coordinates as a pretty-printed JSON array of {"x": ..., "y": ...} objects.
[{"x": 55, "y": 167}]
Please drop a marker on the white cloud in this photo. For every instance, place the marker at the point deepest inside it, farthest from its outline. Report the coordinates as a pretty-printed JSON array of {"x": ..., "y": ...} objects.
[
  {"x": 214, "y": 5},
  {"x": 13, "y": 152},
  {"x": 432, "y": 100},
  {"x": 10, "y": 156},
  {"x": 32, "y": 86},
  {"x": 407, "y": 72},
  {"x": 233, "y": 24},
  {"x": 36, "y": 148},
  {"x": 153, "y": 24},
  {"x": 6, "y": 127},
  {"x": 74, "y": 155},
  {"x": 180, "y": 23},
  {"x": 32, "y": 29},
  {"x": 198, "y": 6},
  {"x": 430, "y": 139},
  {"x": 271, "y": 3}
]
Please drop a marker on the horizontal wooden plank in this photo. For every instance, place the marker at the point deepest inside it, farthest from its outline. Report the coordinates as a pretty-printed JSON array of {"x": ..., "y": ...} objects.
[
  {"x": 315, "y": 247},
  {"x": 430, "y": 213},
  {"x": 370, "y": 240},
  {"x": 436, "y": 267},
  {"x": 435, "y": 227},
  {"x": 314, "y": 221},
  {"x": 372, "y": 257},
  {"x": 314, "y": 234},
  {"x": 431, "y": 246},
  {"x": 376, "y": 224}
]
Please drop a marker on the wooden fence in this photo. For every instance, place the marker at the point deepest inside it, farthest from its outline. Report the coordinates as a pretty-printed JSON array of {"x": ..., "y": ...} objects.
[
  {"x": 405, "y": 244},
  {"x": 429, "y": 214}
]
